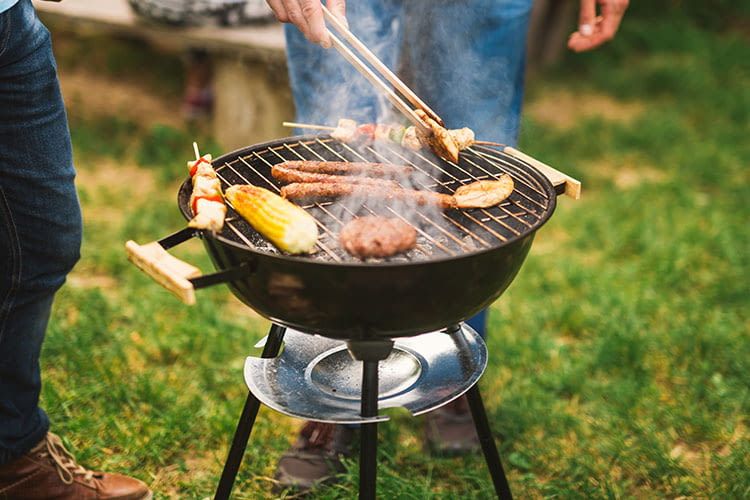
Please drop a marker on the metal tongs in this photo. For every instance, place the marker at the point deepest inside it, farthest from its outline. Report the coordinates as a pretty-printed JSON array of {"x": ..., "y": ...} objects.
[
  {"x": 571, "y": 187},
  {"x": 383, "y": 74}
]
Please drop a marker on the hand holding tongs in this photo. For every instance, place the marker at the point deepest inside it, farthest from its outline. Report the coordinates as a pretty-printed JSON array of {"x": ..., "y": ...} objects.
[{"x": 375, "y": 78}]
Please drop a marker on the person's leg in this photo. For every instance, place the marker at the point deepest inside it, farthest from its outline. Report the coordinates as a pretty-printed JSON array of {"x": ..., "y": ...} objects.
[
  {"x": 466, "y": 59},
  {"x": 40, "y": 220},
  {"x": 40, "y": 235},
  {"x": 479, "y": 323},
  {"x": 325, "y": 86}
]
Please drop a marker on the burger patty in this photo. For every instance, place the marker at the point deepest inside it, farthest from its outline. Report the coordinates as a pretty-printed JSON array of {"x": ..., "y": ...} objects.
[{"x": 375, "y": 236}]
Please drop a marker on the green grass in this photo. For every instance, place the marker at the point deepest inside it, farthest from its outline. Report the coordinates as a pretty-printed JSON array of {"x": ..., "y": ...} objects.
[{"x": 619, "y": 358}]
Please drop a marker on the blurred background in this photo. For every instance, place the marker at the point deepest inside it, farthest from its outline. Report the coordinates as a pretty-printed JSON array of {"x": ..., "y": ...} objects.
[{"x": 620, "y": 356}]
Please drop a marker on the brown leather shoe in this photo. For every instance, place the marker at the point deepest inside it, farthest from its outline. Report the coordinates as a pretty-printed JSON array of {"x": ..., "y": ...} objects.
[
  {"x": 50, "y": 472},
  {"x": 450, "y": 430},
  {"x": 315, "y": 458}
]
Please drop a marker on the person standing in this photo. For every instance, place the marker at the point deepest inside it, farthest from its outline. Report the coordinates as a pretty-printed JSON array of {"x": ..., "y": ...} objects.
[
  {"x": 466, "y": 59},
  {"x": 40, "y": 237}
]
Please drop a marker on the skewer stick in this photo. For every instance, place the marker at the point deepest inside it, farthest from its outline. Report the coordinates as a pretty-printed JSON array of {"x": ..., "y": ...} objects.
[
  {"x": 379, "y": 66},
  {"x": 197, "y": 153},
  {"x": 489, "y": 143},
  {"x": 308, "y": 126}
]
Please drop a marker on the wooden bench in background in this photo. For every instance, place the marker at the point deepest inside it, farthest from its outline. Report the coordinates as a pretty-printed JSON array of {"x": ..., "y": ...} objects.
[{"x": 251, "y": 86}]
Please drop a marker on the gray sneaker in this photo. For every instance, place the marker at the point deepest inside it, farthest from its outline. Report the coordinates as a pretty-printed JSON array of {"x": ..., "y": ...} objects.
[{"x": 315, "y": 458}]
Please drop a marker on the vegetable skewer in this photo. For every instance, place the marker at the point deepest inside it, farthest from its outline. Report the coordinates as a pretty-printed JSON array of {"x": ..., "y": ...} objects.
[
  {"x": 445, "y": 142},
  {"x": 206, "y": 200}
]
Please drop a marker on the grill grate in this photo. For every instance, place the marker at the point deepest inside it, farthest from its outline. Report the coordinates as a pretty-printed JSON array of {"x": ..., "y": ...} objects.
[{"x": 440, "y": 233}]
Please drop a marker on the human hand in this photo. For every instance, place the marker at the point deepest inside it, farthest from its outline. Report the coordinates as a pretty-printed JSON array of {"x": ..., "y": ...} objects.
[
  {"x": 307, "y": 15},
  {"x": 594, "y": 31}
]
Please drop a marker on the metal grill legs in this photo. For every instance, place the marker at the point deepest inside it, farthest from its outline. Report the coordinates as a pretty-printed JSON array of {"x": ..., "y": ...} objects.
[
  {"x": 369, "y": 437},
  {"x": 370, "y": 352},
  {"x": 246, "y": 422},
  {"x": 368, "y": 450},
  {"x": 491, "y": 456}
]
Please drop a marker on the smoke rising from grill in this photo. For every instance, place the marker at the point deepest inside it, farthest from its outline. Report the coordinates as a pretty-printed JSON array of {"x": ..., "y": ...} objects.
[{"x": 407, "y": 47}]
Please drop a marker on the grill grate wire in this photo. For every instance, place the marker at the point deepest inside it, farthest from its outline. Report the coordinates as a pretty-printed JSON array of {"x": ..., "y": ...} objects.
[{"x": 440, "y": 233}]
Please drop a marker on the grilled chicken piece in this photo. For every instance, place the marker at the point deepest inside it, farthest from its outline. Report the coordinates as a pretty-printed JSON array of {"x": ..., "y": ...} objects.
[
  {"x": 323, "y": 190},
  {"x": 484, "y": 194},
  {"x": 345, "y": 131},
  {"x": 375, "y": 236},
  {"x": 439, "y": 139},
  {"x": 410, "y": 139},
  {"x": 463, "y": 137},
  {"x": 288, "y": 175}
]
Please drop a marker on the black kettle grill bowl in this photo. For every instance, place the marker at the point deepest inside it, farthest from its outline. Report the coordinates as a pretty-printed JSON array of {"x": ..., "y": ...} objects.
[{"x": 351, "y": 300}]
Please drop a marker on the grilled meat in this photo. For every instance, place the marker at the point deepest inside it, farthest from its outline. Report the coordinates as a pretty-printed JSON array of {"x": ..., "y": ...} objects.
[
  {"x": 484, "y": 194},
  {"x": 350, "y": 168},
  {"x": 323, "y": 190},
  {"x": 463, "y": 137},
  {"x": 410, "y": 140},
  {"x": 346, "y": 130},
  {"x": 444, "y": 142},
  {"x": 285, "y": 174},
  {"x": 378, "y": 237},
  {"x": 437, "y": 138}
]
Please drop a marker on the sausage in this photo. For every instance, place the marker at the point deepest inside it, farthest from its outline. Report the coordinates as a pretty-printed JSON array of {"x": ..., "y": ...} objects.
[
  {"x": 288, "y": 175},
  {"x": 323, "y": 190},
  {"x": 365, "y": 169}
]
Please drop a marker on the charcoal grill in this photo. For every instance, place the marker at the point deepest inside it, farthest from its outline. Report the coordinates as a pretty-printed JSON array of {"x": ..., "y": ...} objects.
[
  {"x": 477, "y": 252},
  {"x": 463, "y": 261}
]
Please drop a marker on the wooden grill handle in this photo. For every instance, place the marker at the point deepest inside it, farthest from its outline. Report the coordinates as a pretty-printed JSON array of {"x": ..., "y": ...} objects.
[
  {"x": 572, "y": 186},
  {"x": 167, "y": 270}
]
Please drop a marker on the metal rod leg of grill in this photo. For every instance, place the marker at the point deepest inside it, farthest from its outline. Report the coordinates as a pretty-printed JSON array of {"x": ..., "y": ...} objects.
[
  {"x": 246, "y": 422},
  {"x": 491, "y": 455},
  {"x": 369, "y": 432}
]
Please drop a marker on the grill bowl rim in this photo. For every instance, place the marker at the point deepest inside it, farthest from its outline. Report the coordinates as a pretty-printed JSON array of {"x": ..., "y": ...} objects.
[{"x": 218, "y": 162}]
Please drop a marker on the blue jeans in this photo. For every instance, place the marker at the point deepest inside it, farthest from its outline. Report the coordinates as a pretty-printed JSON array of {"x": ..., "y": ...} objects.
[
  {"x": 40, "y": 219},
  {"x": 464, "y": 58}
]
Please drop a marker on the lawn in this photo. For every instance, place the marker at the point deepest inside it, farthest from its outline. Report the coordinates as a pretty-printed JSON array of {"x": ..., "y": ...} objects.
[{"x": 619, "y": 358}]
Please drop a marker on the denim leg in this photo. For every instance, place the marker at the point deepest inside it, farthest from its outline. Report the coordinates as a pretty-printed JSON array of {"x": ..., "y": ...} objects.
[
  {"x": 40, "y": 220},
  {"x": 325, "y": 86},
  {"x": 466, "y": 59}
]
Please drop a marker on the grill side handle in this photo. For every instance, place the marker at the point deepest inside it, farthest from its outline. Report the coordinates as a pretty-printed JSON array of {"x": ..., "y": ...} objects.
[
  {"x": 569, "y": 185},
  {"x": 176, "y": 275}
]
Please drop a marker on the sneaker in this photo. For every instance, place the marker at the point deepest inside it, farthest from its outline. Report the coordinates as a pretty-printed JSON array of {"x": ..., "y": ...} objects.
[
  {"x": 450, "y": 430},
  {"x": 315, "y": 457},
  {"x": 49, "y": 471}
]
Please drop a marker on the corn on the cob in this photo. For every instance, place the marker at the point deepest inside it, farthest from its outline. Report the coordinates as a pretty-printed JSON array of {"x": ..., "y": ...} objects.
[{"x": 285, "y": 224}]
